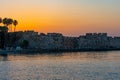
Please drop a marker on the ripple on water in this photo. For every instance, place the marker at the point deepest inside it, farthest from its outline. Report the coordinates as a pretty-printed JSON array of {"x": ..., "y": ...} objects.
[{"x": 71, "y": 66}]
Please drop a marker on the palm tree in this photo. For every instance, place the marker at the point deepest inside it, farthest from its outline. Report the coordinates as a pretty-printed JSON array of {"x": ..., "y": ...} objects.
[
  {"x": 7, "y": 22},
  {"x": 10, "y": 22},
  {"x": 15, "y": 22},
  {"x": 0, "y": 20}
]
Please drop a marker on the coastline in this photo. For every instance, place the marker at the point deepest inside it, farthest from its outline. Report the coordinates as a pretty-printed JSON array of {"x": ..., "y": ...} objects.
[{"x": 34, "y": 51}]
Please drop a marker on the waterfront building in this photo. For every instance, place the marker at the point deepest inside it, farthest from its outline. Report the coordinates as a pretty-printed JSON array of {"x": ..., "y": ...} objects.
[
  {"x": 56, "y": 41},
  {"x": 70, "y": 43},
  {"x": 48, "y": 41},
  {"x": 29, "y": 36},
  {"x": 93, "y": 41},
  {"x": 114, "y": 42}
]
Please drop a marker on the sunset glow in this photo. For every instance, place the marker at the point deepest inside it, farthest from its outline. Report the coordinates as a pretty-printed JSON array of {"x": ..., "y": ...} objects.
[{"x": 69, "y": 17}]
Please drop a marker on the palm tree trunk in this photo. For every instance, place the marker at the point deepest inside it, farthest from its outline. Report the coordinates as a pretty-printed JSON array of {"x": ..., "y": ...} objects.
[
  {"x": 8, "y": 26},
  {"x": 11, "y": 28},
  {"x": 14, "y": 28}
]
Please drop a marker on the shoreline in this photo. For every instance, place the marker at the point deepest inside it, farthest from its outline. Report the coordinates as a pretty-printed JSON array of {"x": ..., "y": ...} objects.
[{"x": 34, "y": 51}]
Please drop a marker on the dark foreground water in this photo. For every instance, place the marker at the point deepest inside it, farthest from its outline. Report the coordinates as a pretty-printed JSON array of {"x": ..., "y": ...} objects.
[{"x": 61, "y": 66}]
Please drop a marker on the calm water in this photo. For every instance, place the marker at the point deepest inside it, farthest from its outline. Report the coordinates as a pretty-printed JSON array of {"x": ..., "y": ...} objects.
[{"x": 61, "y": 66}]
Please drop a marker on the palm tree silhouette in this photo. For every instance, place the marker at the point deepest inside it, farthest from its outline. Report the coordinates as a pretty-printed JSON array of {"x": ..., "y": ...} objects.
[
  {"x": 7, "y": 22},
  {"x": 0, "y": 20},
  {"x": 15, "y": 22},
  {"x": 10, "y": 22}
]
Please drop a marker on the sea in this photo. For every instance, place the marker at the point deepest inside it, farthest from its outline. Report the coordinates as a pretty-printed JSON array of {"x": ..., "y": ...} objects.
[{"x": 103, "y": 65}]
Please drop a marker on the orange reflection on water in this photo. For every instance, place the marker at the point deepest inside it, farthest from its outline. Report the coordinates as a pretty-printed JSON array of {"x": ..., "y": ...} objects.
[{"x": 75, "y": 56}]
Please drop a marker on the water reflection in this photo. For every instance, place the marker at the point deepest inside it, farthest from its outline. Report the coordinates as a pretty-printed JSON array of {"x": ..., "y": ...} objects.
[
  {"x": 4, "y": 58},
  {"x": 64, "y": 56},
  {"x": 61, "y": 66}
]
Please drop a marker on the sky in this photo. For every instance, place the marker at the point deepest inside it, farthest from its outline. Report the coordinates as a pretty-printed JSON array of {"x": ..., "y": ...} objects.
[{"x": 69, "y": 17}]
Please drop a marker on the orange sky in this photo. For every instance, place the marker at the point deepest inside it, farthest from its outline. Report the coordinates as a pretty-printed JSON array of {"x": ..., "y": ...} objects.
[{"x": 69, "y": 17}]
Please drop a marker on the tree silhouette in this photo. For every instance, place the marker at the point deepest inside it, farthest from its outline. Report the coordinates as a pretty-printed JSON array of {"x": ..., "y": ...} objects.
[
  {"x": 8, "y": 22},
  {"x": 0, "y": 20},
  {"x": 15, "y": 22},
  {"x": 5, "y": 21}
]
